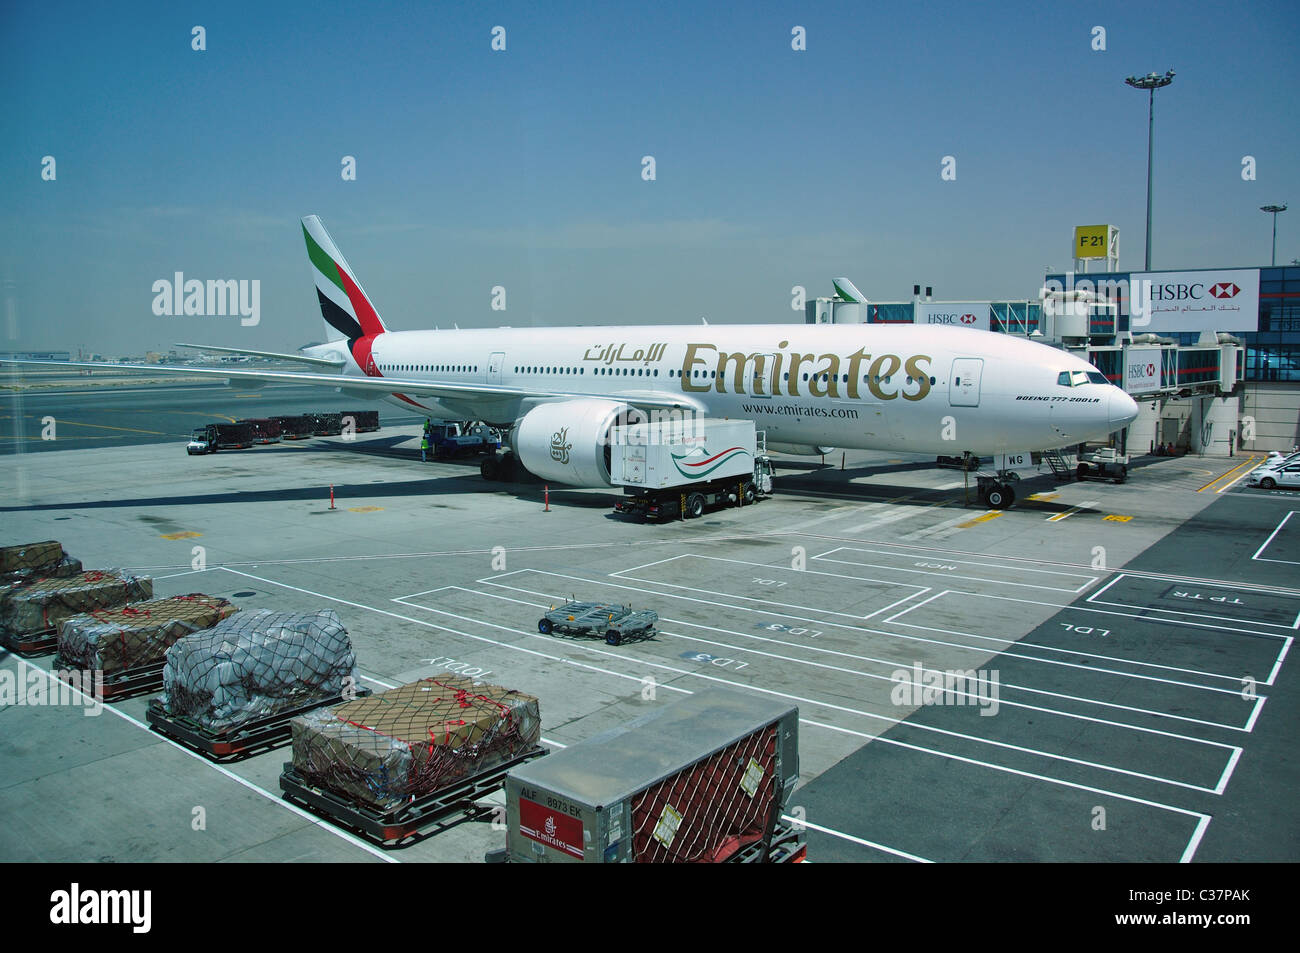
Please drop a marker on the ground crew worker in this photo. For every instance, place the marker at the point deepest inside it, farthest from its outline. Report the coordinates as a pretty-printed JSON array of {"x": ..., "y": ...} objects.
[{"x": 424, "y": 448}]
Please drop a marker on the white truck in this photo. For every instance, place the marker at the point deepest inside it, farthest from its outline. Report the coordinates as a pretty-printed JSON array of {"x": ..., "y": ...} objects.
[{"x": 673, "y": 469}]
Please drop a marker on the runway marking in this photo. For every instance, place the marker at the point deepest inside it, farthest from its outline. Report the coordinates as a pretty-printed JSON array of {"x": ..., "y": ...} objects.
[
  {"x": 756, "y": 688},
  {"x": 991, "y": 515},
  {"x": 893, "y": 664},
  {"x": 1232, "y": 587},
  {"x": 1257, "y": 556},
  {"x": 364, "y": 509},
  {"x": 856, "y": 840},
  {"x": 1249, "y": 463},
  {"x": 76, "y": 423},
  {"x": 767, "y": 568},
  {"x": 273, "y": 798},
  {"x": 891, "y": 741},
  {"x": 187, "y": 534},
  {"x": 1003, "y": 643},
  {"x": 949, "y": 575}
]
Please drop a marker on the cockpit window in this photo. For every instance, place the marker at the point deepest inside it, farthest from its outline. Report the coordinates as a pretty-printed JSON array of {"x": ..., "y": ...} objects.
[
  {"x": 1078, "y": 377},
  {"x": 1063, "y": 378},
  {"x": 1097, "y": 377}
]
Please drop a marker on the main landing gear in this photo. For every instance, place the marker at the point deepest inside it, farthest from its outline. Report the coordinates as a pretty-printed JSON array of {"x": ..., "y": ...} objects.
[{"x": 998, "y": 492}]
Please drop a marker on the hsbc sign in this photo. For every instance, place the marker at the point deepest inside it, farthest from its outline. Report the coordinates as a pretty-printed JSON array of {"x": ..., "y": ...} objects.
[
  {"x": 954, "y": 314},
  {"x": 1142, "y": 370},
  {"x": 1169, "y": 301}
]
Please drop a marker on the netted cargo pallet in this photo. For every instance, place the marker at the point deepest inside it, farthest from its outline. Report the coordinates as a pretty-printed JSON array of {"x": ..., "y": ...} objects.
[
  {"x": 30, "y": 611},
  {"x": 34, "y": 561},
  {"x": 410, "y": 741},
  {"x": 391, "y": 827},
  {"x": 30, "y": 556},
  {"x": 138, "y": 635},
  {"x": 115, "y": 686},
  {"x": 256, "y": 665},
  {"x": 249, "y": 738}
]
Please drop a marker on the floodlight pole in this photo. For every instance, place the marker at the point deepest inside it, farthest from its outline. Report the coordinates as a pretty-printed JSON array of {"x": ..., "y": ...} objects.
[
  {"x": 1151, "y": 82},
  {"x": 1274, "y": 209}
]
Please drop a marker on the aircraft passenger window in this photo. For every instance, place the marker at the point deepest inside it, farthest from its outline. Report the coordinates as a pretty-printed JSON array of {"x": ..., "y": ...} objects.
[
  {"x": 931, "y": 381},
  {"x": 805, "y": 377},
  {"x": 656, "y": 372},
  {"x": 957, "y": 381},
  {"x": 909, "y": 379}
]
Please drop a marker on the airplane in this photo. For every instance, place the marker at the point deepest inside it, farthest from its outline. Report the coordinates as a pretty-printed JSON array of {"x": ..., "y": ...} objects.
[{"x": 901, "y": 388}]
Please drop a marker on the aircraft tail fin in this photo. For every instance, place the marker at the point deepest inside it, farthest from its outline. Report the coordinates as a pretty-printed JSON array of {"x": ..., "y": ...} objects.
[{"x": 344, "y": 304}]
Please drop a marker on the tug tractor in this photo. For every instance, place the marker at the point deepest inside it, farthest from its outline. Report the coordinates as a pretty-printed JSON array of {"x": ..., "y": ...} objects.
[{"x": 1104, "y": 464}]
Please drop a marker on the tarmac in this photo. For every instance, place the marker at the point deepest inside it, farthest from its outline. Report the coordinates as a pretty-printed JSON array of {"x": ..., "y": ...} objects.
[{"x": 1097, "y": 674}]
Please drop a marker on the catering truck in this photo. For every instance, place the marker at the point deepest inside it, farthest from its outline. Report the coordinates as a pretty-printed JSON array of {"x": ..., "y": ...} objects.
[{"x": 676, "y": 468}]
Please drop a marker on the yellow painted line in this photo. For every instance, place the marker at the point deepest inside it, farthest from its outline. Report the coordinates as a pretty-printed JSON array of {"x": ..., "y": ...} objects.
[
  {"x": 74, "y": 423},
  {"x": 188, "y": 534},
  {"x": 979, "y": 519},
  {"x": 1251, "y": 462},
  {"x": 364, "y": 509},
  {"x": 1042, "y": 497},
  {"x": 1116, "y": 518}
]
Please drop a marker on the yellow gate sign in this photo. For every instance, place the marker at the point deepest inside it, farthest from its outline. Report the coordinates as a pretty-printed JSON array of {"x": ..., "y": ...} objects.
[{"x": 1091, "y": 241}]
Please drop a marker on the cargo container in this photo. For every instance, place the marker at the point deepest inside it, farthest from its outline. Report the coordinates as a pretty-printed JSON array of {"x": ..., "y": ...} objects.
[
  {"x": 265, "y": 429},
  {"x": 294, "y": 428},
  {"x": 363, "y": 421},
  {"x": 325, "y": 425},
  {"x": 678, "y": 468},
  {"x": 704, "y": 779}
]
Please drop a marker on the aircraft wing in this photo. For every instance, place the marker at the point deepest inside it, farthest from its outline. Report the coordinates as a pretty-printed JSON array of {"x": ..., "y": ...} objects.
[
  {"x": 381, "y": 386},
  {"x": 297, "y": 358}
]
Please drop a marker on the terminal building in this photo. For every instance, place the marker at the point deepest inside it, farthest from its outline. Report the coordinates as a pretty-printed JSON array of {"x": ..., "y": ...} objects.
[{"x": 1212, "y": 356}]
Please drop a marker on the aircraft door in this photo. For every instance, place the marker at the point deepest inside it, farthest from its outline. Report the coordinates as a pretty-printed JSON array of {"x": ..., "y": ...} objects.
[
  {"x": 495, "y": 361},
  {"x": 762, "y": 382},
  {"x": 964, "y": 384}
]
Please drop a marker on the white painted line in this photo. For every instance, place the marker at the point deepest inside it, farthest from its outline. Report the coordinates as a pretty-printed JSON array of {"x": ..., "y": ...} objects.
[
  {"x": 970, "y": 562},
  {"x": 1190, "y": 851},
  {"x": 974, "y": 738},
  {"x": 952, "y": 575},
  {"x": 1071, "y": 511},
  {"x": 1232, "y": 587},
  {"x": 59, "y": 685},
  {"x": 442, "y": 628},
  {"x": 1003, "y": 642},
  {"x": 856, "y": 840},
  {"x": 882, "y": 739}
]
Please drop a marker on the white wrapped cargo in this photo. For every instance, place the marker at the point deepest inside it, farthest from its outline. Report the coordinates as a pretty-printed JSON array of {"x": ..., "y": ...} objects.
[{"x": 257, "y": 664}]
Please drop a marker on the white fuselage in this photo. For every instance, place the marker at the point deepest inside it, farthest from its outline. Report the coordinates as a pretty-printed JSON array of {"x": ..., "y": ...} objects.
[{"x": 904, "y": 388}]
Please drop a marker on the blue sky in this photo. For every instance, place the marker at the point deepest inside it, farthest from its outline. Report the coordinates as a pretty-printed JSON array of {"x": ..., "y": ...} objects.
[{"x": 522, "y": 168}]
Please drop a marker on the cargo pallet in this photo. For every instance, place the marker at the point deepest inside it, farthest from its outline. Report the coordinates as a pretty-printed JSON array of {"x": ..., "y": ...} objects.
[
  {"x": 389, "y": 828},
  {"x": 241, "y": 741},
  {"x": 123, "y": 684},
  {"x": 31, "y": 644}
]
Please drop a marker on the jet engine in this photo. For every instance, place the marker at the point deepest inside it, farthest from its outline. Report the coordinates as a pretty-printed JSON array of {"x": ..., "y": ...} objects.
[
  {"x": 567, "y": 441},
  {"x": 799, "y": 450}
]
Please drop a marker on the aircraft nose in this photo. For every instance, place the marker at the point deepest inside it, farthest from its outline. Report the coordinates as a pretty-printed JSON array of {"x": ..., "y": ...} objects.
[{"x": 1122, "y": 408}]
